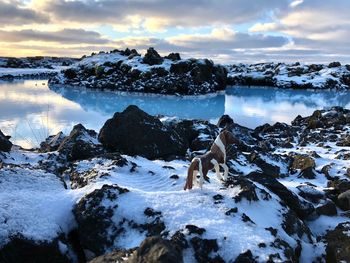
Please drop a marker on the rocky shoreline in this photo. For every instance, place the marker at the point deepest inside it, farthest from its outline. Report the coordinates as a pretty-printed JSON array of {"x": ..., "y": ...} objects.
[
  {"x": 32, "y": 67},
  {"x": 117, "y": 194},
  {"x": 127, "y": 70}
]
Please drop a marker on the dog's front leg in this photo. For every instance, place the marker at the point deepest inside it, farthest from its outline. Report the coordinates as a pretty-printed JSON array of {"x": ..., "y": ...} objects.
[
  {"x": 223, "y": 165},
  {"x": 217, "y": 168}
]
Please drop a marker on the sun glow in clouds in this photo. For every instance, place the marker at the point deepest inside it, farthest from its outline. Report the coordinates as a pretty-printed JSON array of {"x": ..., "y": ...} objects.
[{"x": 230, "y": 31}]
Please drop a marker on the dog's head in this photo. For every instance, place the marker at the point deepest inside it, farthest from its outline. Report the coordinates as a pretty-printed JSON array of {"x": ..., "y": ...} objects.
[{"x": 228, "y": 138}]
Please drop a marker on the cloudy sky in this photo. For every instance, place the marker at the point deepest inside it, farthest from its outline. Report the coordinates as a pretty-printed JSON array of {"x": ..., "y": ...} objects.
[{"x": 225, "y": 31}]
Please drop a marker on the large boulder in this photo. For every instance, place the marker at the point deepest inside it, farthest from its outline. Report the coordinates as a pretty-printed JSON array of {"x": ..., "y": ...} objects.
[
  {"x": 338, "y": 244},
  {"x": 134, "y": 132},
  {"x": 152, "y": 57},
  {"x": 156, "y": 250},
  {"x": 5, "y": 144},
  {"x": 80, "y": 144}
]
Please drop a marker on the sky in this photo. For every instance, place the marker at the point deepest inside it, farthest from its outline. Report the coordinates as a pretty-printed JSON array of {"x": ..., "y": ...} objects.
[{"x": 226, "y": 31}]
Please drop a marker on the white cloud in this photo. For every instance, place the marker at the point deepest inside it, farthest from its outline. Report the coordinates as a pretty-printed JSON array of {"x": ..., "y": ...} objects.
[
  {"x": 12, "y": 12},
  {"x": 263, "y": 27},
  {"x": 159, "y": 14},
  {"x": 296, "y": 3},
  {"x": 68, "y": 36}
]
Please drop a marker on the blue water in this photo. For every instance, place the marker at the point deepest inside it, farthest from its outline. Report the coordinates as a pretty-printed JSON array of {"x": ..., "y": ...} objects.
[{"x": 30, "y": 111}]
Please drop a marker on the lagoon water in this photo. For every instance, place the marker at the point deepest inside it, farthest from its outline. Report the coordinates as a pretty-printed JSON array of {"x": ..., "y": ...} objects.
[{"x": 30, "y": 110}]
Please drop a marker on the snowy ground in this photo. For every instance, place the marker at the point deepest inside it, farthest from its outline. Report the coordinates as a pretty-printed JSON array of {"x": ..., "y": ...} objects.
[{"x": 35, "y": 203}]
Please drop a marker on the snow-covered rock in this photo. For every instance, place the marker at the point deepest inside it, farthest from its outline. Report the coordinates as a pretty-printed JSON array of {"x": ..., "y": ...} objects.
[
  {"x": 80, "y": 144},
  {"x": 35, "y": 212}
]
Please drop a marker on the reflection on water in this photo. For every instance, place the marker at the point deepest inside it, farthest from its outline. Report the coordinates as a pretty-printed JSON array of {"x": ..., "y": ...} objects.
[
  {"x": 30, "y": 110},
  {"x": 255, "y": 106},
  {"x": 107, "y": 103}
]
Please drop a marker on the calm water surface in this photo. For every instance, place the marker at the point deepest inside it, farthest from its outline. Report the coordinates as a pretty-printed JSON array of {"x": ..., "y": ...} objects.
[{"x": 30, "y": 111}]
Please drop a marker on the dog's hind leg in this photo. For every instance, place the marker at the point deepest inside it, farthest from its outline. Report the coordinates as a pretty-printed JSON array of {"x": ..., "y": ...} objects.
[
  {"x": 195, "y": 177},
  {"x": 201, "y": 174}
]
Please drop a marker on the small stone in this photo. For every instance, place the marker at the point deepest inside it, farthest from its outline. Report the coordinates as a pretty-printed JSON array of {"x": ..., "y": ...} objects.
[
  {"x": 174, "y": 176},
  {"x": 328, "y": 208},
  {"x": 192, "y": 229},
  {"x": 231, "y": 211}
]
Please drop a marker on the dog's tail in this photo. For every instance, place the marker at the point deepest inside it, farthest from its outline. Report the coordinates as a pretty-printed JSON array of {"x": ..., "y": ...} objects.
[{"x": 189, "y": 180}]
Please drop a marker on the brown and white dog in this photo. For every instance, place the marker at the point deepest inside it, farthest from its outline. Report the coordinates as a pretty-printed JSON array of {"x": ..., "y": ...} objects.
[{"x": 212, "y": 159}]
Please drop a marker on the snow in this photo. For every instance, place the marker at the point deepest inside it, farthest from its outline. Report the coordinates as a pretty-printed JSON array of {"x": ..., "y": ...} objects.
[
  {"x": 36, "y": 204},
  {"x": 195, "y": 207},
  {"x": 134, "y": 63},
  {"x": 33, "y": 203},
  {"x": 324, "y": 223}
]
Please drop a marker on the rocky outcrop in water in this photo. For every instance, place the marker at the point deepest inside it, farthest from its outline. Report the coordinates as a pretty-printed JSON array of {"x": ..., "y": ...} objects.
[
  {"x": 128, "y": 71},
  {"x": 35, "y": 62},
  {"x": 32, "y": 67},
  {"x": 296, "y": 76}
]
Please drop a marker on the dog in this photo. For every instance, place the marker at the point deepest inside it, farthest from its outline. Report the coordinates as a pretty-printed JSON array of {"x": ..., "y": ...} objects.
[{"x": 214, "y": 158}]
